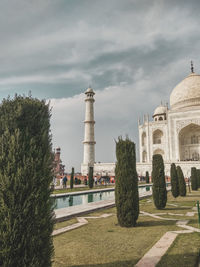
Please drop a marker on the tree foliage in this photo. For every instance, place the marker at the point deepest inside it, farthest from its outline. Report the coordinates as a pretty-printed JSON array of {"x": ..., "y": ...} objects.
[
  {"x": 26, "y": 210},
  {"x": 147, "y": 177},
  {"x": 90, "y": 178},
  {"x": 198, "y": 177},
  {"x": 159, "y": 185},
  {"x": 174, "y": 181},
  {"x": 194, "y": 180},
  {"x": 72, "y": 178},
  {"x": 126, "y": 186},
  {"x": 181, "y": 182}
]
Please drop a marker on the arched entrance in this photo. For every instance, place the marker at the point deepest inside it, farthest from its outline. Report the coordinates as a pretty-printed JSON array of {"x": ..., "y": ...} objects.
[
  {"x": 144, "y": 156},
  {"x": 159, "y": 151},
  {"x": 157, "y": 137},
  {"x": 144, "y": 139},
  {"x": 189, "y": 143}
]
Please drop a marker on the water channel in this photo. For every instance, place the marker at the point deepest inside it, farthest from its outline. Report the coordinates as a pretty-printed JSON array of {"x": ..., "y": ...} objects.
[{"x": 85, "y": 198}]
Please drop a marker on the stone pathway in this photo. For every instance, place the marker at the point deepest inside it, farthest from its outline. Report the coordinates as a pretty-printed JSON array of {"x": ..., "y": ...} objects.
[
  {"x": 154, "y": 255},
  {"x": 81, "y": 221}
]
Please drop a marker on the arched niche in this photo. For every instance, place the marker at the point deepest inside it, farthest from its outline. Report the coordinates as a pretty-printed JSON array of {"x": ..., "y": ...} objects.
[
  {"x": 144, "y": 138},
  {"x": 159, "y": 151},
  {"x": 189, "y": 143},
  {"x": 144, "y": 156},
  {"x": 157, "y": 137}
]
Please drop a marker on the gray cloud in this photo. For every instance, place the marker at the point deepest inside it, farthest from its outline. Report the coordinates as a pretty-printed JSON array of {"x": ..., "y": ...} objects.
[{"x": 132, "y": 52}]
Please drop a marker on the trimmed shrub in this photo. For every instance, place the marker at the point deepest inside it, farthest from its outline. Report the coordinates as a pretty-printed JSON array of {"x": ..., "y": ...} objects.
[
  {"x": 126, "y": 184},
  {"x": 90, "y": 178},
  {"x": 174, "y": 181},
  {"x": 194, "y": 181},
  {"x": 147, "y": 177},
  {"x": 159, "y": 185},
  {"x": 72, "y": 179},
  {"x": 26, "y": 210},
  {"x": 198, "y": 177},
  {"x": 181, "y": 182}
]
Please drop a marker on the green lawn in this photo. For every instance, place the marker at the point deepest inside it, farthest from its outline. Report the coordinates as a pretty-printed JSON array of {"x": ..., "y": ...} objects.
[
  {"x": 102, "y": 242},
  {"x": 184, "y": 251}
]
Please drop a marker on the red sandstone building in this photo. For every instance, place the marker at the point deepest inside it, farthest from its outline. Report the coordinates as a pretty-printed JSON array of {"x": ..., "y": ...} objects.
[{"x": 58, "y": 167}]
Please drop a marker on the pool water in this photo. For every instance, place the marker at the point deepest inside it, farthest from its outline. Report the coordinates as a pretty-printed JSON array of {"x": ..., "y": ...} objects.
[{"x": 85, "y": 198}]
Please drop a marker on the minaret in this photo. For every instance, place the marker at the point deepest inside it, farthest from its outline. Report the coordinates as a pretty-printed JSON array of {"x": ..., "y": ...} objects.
[{"x": 89, "y": 142}]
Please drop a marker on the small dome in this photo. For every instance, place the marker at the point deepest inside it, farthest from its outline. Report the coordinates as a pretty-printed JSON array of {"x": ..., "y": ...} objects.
[
  {"x": 89, "y": 90},
  {"x": 186, "y": 93},
  {"x": 160, "y": 110}
]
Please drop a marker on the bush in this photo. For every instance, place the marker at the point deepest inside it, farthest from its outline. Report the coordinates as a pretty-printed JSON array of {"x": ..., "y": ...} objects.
[
  {"x": 198, "y": 177},
  {"x": 194, "y": 181},
  {"x": 147, "y": 177},
  {"x": 181, "y": 182},
  {"x": 126, "y": 188},
  {"x": 90, "y": 178},
  {"x": 174, "y": 181},
  {"x": 72, "y": 179},
  {"x": 159, "y": 185},
  {"x": 26, "y": 210}
]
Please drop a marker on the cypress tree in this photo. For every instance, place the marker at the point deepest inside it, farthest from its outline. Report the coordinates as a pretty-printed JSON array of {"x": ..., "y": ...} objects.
[
  {"x": 90, "y": 178},
  {"x": 72, "y": 179},
  {"x": 181, "y": 182},
  {"x": 147, "y": 177},
  {"x": 126, "y": 183},
  {"x": 194, "y": 178},
  {"x": 26, "y": 210},
  {"x": 198, "y": 177},
  {"x": 174, "y": 181},
  {"x": 159, "y": 185}
]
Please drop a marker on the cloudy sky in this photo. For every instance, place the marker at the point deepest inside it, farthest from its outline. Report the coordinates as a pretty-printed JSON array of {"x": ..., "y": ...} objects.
[{"x": 132, "y": 53}]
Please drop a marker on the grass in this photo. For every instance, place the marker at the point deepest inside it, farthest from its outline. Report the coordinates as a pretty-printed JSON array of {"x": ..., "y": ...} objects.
[
  {"x": 184, "y": 251},
  {"x": 102, "y": 242}
]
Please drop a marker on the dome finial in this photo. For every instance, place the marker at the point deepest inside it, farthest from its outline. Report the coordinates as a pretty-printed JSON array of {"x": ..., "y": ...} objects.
[{"x": 192, "y": 67}]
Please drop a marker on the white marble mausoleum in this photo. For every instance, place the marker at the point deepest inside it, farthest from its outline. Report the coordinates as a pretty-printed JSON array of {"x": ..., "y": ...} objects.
[{"x": 172, "y": 132}]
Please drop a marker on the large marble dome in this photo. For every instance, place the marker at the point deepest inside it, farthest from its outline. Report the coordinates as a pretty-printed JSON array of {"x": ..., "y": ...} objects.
[{"x": 186, "y": 93}]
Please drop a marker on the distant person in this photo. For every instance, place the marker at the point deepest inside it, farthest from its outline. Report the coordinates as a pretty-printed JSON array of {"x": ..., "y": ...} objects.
[
  {"x": 61, "y": 182},
  {"x": 65, "y": 182},
  {"x": 95, "y": 180},
  {"x": 54, "y": 180}
]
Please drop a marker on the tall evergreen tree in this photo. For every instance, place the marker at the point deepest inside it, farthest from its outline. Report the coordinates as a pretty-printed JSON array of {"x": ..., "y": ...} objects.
[
  {"x": 26, "y": 210},
  {"x": 194, "y": 178},
  {"x": 90, "y": 178},
  {"x": 147, "y": 177},
  {"x": 72, "y": 178},
  {"x": 181, "y": 182},
  {"x": 126, "y": 185},
  {"x": 198, "y": 177},
  {"x": 159, "y": 185},
  {"x": 174, "y": 181}
]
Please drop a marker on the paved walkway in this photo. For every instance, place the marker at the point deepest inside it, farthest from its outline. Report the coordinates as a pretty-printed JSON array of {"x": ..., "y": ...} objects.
[
  {"x": 154, "y": 255},
  {"x": 81, "y": 221}
]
